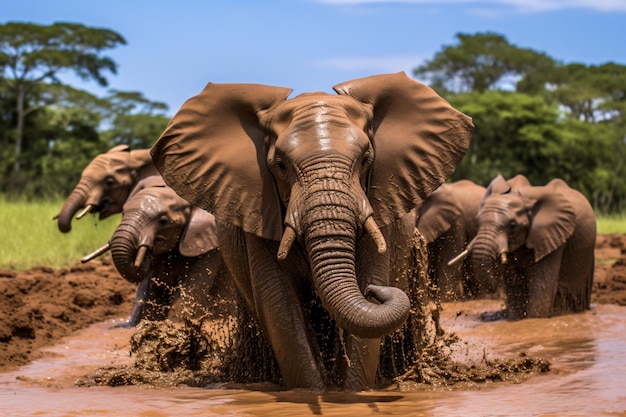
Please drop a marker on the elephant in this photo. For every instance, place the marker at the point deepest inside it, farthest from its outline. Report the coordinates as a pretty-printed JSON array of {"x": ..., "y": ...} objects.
[
  {"x": 106, "y": 183},
  {"x": 538, "y": 242},
  {"x": 313, "y": 198},
  {"x": 103, "y": 188},
  {"x": 448, "y": 222},
  {"x": 172, "y": 250}
]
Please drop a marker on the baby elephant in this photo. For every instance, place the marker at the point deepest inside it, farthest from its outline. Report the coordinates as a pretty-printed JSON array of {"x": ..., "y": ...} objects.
[
  {"x": 539, "y": 242},
  {"x": 171, "y": 249},
  {"x": 448, "y": 222}
]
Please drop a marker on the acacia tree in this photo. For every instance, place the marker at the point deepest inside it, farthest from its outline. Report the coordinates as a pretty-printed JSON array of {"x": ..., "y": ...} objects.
[
  {"x": 481, "y": 62},
  {"x": 32, "y": 54}
]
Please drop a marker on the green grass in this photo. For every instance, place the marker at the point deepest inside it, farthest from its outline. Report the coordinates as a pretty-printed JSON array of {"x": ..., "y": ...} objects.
[
  {"x": 611, "y": 224},
  {"x": 30, "y": 237}
]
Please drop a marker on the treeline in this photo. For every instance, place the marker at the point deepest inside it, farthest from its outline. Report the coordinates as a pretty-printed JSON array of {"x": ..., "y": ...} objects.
[
  {"x": 533, "y": 114},
  {"x": 536, "y": 116}
]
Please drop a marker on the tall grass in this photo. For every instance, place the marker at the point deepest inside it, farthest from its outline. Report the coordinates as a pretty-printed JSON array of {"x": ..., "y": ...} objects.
[
  {"x": 615, "y": 223},
  {"x": 29, "y": 237}
]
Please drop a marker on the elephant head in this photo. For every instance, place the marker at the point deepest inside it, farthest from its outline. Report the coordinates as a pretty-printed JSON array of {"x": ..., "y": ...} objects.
[
  {"x": 319, "y": 169},
  {"x": 448, "y": 221},
  {"x": 105, "y": 184},
  {"x": 517, "y": 216},
  {"x": 156, "y": 221}
]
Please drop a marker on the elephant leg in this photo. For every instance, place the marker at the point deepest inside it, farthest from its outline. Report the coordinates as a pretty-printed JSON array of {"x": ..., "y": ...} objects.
[
  {"x": 279, "y": 306},
  {"x": 358, "y": 367},
  {"x": 543, "y": 279},
  {"x": 271, "y": 297}
]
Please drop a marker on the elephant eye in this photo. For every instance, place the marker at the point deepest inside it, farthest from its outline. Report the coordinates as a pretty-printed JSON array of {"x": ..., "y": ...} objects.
[
  {"x": 109, "y": 181},
  {"x": 368, "y": 159},
  {"x": 164, "y": 220},
  {"x": 513, "y": 225},
  {"x": 280, "y": 166}
]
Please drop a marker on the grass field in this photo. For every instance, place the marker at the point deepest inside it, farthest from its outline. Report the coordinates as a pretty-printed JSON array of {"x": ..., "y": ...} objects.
[{"x": 31, "y": 237}]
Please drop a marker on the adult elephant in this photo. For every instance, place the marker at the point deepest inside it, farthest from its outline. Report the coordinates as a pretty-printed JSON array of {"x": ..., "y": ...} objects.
[
  {"x": 171, "y": 249},
  {"x": 448, "y": 221},
  {"x": 105, "y": 184},
  {"x": 539, "y": 242},
  {"x": 316, "y": 189}
]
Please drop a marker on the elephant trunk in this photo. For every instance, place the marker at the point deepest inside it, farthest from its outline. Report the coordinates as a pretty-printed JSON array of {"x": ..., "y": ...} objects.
[
  {"x": 329, "y": 229},
  {"x": 485, "y": 252},
  {"x": 74, "y": 202},
  {"x": 128, "y": 251}
]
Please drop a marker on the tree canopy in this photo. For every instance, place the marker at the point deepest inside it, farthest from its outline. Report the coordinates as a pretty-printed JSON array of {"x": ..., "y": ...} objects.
[
  {"x": 49, "y": 131},
  {"x": 534, "y": 115}
]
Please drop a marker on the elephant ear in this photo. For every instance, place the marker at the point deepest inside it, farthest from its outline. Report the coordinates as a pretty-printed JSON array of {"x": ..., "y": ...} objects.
[
  {"x": 437, "y": 215},
  {"x": 119, "y": 148},
  {"x": 212, "y": 154},
  {"x": 553, "y": 217},
  {"x": 418, "y": 138},
  {"x": 200, "y": 235}
]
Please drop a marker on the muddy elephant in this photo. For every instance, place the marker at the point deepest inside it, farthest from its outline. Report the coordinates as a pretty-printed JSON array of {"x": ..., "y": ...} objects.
[
  {"x": 538, "y": 242},
  {"x": 448, "y": 221},
  {"x": 171, "y": 249},
  {"x": 106, "y": 183},
  {"x": 311, "y": 196}
]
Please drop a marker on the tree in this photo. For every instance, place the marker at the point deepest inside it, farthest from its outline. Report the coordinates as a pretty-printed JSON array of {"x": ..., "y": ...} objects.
[
  {"x": 135, "y": 120},
  {"x": 32, "y": 54},
  {"x": 481, "y": 62}
]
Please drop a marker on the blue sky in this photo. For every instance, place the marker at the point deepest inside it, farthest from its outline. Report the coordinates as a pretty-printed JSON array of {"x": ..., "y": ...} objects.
[{"x": 175, "y": 47}]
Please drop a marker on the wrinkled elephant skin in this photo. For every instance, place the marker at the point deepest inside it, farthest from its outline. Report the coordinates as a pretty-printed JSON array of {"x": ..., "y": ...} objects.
[
  {"x": 312, "y": 197},
  {"x": 538, "y": 242},
  {"x": 448, "y": 221}
]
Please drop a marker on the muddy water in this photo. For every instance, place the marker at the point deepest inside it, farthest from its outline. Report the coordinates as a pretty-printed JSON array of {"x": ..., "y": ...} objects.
[{"x": 588, "y": 378}]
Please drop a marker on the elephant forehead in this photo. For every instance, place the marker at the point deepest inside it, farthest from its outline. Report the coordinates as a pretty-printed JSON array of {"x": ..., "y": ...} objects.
[
  {"x": 109, "y": 163},
  {"x": 153, "y": 200},
  {"x": 313, "y": 109},
  {"x": 508, "y": 205}
]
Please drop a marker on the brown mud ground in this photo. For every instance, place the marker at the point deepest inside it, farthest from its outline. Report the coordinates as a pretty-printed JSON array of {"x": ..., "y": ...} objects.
[{"x": 40, "y": 306}]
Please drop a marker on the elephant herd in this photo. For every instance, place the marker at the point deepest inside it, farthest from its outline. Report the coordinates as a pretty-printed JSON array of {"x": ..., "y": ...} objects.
[{"x": 309, "y": 215}]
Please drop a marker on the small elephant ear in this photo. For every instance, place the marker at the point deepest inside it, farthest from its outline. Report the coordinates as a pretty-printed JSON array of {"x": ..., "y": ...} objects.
[
  {"x": 553, "y": 217},
  {"x": 200, "y": 235},
  {"x": 436, "y": 215},
  {"x": 212, "y": 153},
  {"x": 418, "y": 139}
]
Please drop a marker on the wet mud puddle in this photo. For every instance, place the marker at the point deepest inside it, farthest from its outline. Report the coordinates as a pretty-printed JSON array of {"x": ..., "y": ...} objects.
[{"x": 587, "y": 353}]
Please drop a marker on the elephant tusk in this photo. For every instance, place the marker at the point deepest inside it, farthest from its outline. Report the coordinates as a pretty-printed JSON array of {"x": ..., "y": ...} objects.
[
  {"x": 100, "y": 251},
  {"x": 458, "y": 258},
  {"x": 374, "y": 231},
  {"x": 86, "y": 210},
  {"x": 285, "y": 243},
  {"x": 141, "y": 253},
  {"x": 503, "y": 258}
]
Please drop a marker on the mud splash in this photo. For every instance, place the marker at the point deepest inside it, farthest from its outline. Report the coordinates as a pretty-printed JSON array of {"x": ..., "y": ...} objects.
[{"x": 587, "y": 353}]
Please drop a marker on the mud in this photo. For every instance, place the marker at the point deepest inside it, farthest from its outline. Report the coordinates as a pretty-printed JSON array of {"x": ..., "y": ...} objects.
[{"x": 41, "y": 306}]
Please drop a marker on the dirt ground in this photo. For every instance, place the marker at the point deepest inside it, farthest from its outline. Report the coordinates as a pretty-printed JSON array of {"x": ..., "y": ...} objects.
[{"x": 40, "y": 306}]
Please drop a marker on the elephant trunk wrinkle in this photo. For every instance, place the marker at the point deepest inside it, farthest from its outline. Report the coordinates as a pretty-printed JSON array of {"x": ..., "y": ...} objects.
[
  {"x": 125, "y": 244},
  {"x": 75, "y": 201},
  {"x": 334, "y": 271}
]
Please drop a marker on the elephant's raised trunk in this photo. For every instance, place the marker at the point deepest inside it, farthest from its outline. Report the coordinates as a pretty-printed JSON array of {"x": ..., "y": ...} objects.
[
  {"x": 126, "y": 250},
  {"x": 330, "y": 223},
  {"x": 75, "y": 201}
]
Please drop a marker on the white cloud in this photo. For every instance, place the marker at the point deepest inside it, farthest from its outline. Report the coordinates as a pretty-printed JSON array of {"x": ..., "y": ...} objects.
[
  {"x": 380, "y": 64},
  {"x": 520, "y": 5}
]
